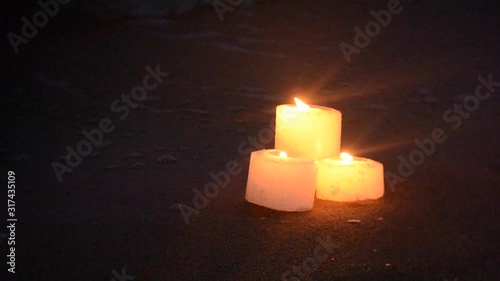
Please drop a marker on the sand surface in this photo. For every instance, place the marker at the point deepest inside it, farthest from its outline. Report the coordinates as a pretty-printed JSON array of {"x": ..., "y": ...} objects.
[{"x": 225, "y": 79}]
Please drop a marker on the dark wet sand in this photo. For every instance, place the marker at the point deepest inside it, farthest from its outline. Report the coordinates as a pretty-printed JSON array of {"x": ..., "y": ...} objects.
[{"x": 225, "y": 79}]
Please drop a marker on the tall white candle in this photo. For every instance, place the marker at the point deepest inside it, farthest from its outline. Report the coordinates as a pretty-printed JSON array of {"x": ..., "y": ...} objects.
[
  {"x": 279, "y": 182},
  {"x": 311, "y": 132},
  {"x": 349, "y": 178}
]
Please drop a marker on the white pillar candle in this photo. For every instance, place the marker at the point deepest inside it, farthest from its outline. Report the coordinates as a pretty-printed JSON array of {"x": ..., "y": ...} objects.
[
  {"x": 279, "y": 182},
  {"x": 311, "y": 132},
  {"x": 348, "y": 178}
]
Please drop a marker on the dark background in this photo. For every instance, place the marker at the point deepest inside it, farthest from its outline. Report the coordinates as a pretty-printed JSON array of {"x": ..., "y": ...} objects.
[{"x": 225, "y": 80}]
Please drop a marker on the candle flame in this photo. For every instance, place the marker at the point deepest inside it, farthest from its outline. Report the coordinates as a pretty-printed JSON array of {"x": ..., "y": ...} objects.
[
  {"x": 301, "y": 104},
  {"x": 283, "y": 154},
  {"x": 346, "y": 158}
]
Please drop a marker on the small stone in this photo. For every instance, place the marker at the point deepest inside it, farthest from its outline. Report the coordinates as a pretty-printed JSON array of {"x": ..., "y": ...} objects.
[
  {"x": 166, "y": 158},
  {"x": 354, "y": 221},
  {"x": 176, "y": 206},
  {"x": 137, "y": 165}
]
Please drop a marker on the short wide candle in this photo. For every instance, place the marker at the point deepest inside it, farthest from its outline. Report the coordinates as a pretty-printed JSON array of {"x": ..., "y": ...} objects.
[
  {"x": 279, "y": 182},
  {"x": 349, "y": 180},
  {"x": 311, "y": 132}
]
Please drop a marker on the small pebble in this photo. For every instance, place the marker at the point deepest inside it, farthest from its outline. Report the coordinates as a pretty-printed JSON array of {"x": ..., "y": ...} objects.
[
  {"x": 175, "y": 206},
  {"x": 166, "y": 159},
  {"x": 137, "y": 165},
  {"x": 354, "y": 221}
]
